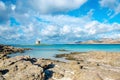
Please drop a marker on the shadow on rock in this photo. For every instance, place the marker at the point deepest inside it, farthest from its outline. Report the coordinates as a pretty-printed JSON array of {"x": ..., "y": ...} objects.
[
  {"x": 48, "y": 74},
  {"x": 4, "y": 71},
  {"x": 48, "y": 66},
  {"x": 33, "y": 60}
]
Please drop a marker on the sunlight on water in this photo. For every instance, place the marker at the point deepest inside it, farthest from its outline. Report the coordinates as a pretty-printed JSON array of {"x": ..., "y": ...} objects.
[{"x": 49, "y": 51}]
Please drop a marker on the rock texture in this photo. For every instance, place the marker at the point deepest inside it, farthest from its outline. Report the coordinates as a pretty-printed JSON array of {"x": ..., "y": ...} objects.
[
  {"x": 5, "y": 49},
  {"x": 81, "y": 66},
  {"x": 1, "y": 77},
  {"x": 92, "y": 66},
  {"x": 20, "y": 68}
]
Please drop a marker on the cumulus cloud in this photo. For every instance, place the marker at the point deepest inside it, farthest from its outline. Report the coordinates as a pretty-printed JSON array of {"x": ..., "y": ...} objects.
[
  {"x": 21, "y": 7},
  {"x": 6, "y": 11},
  {"x": 60, "y": 29},
  {"x": 75, "y": 28},
  {"x": 13, "y": 7},
  {"x": 3, "y": 17},
  {"x": 53, "y": 6},
  {"x": 46, "y": 6},
  {"x": 2, "y": 6},
  {"x": 37, "y": 21},
  {"x": 112, "y": 5},
  {"x": 8, "y": 33}
]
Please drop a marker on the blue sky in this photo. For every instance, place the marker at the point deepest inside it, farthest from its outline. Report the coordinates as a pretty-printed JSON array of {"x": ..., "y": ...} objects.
[{"x": 58, "y": 21}]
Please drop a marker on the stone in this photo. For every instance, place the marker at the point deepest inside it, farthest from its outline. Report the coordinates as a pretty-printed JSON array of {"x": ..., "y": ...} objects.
[{"x": 1, "y": 77}]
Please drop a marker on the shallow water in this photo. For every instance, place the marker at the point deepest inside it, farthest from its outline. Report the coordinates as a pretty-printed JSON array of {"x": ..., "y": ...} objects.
[{"x": 49, "y": 51}]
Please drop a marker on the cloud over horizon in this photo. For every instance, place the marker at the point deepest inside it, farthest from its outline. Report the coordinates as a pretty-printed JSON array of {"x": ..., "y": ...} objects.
[{"x": 25, "y": 21}]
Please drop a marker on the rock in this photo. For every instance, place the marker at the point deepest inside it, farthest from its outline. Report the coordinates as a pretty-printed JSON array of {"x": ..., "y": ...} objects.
[
  {"x": 11, "y": 61},
  {"x": 5, "y": 49},
  {"x": 57, "y": 75},
  {"x": 1, "y": 77},
  {"x": 89, "y": 66},
  {"x": 28, "y": 73},
  {"x": 3, "y": 56},
  {"x": 21, "y": 68},
  {"x": 83, "y": 66}
]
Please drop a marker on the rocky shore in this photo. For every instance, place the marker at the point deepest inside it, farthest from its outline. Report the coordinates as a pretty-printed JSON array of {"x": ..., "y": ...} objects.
[
  {"x": 94, "y": 65},
  {"x": 82, "y": 66},
  {"x": 6, "y": 49}
]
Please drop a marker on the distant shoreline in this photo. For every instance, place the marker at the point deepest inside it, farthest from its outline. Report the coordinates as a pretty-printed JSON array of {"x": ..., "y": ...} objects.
[{"x": 100, "y": 41}]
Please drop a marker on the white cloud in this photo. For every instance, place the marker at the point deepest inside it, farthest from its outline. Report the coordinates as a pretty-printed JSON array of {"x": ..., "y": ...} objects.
[
  {"x": 114, "y": 35},
  {"x": 13, "y": 7},
  {"x": 61, "y": 28},
  {"x": 53, "y": 6},
  {"x": 75, "y": 28},
  {"x": 109, "y": 3},
  {"x": 2, "y": 5},
  {"x": 53, "y": 28},
  {"x": 7, "y": 32},
  {"x": 65, "y": 30},
  {"x": 5, "y": 12},
  {"x": 21, "y": 7},
  {"x": 50, "y": 30},
  {"x": 112, "y": 5}
]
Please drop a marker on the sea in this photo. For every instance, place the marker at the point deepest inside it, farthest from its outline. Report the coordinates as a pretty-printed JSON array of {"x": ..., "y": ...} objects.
[{"x": 50, "y": 50}]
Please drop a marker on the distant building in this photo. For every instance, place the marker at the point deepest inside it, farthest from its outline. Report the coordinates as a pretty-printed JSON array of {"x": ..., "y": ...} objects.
[{"x": 37, "y": 42}]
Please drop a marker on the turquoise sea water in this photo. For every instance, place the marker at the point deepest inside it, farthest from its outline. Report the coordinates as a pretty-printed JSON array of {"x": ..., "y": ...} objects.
[{"x": 49, "y": 51}]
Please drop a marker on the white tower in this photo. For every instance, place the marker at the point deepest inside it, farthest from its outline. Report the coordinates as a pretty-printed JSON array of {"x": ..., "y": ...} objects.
[{"x": 37, "y": 42}]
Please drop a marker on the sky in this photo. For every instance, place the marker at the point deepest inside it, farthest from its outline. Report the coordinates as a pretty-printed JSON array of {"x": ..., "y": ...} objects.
[{"x": 58, "y": 21}]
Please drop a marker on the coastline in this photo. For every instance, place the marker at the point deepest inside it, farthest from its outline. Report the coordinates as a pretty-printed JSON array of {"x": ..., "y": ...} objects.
[{"x": 81, "y": 66}]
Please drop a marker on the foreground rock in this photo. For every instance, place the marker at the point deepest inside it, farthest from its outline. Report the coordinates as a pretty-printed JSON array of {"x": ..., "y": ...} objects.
[
  {"x": 20, "y": 68},
  {"x": 1, "y": 77},
  {"x": 82, "y": 66},
  {"x": 92, "y": 66},
  {"x": 26, "y": 68}
]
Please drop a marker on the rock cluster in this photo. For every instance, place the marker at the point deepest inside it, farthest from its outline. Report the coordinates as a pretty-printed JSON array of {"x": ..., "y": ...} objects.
[
  {"x": 5, "y": 49},
  {"x": 81, "y": 66},
  {"x": 26, "y": 68},
  {"x": 91, "y": 66}
]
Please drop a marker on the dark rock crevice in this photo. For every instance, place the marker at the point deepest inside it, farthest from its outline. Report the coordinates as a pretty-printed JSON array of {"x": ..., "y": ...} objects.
[{"x": 3, "y": 72}]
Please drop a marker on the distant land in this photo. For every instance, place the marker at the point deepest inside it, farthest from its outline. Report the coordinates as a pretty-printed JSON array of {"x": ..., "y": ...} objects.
[{"x": 101, "y": 41}]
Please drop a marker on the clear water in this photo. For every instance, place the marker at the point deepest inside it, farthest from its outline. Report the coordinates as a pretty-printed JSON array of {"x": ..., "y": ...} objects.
[{"x": 49, "y": 51}]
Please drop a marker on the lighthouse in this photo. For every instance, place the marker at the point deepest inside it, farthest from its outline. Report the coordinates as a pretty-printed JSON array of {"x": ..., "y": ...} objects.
[{"x": 37, "y": 42}]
